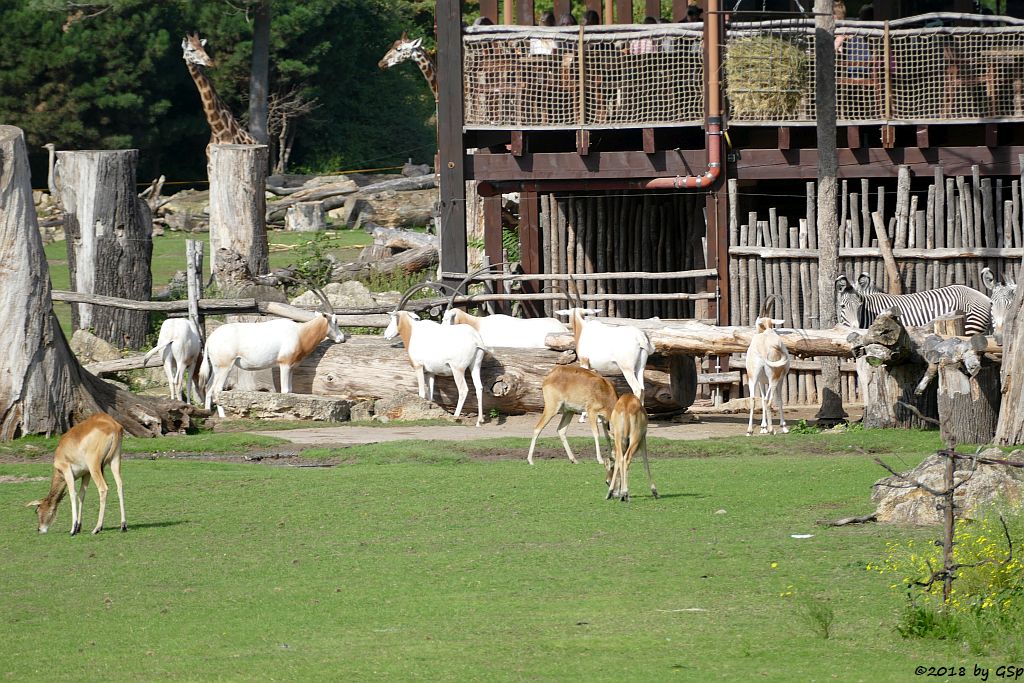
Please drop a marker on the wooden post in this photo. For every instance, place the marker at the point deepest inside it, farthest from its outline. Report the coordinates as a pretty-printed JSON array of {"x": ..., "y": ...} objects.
[
  {"x": 451, "y": 149},
  {"x": 194, "y": 278},
  {"x": 892, "y": 271},
  {"x": 238, "y": 180},
  {"x": 109, "y": 240},
  {"x": 831, "y": 410}
]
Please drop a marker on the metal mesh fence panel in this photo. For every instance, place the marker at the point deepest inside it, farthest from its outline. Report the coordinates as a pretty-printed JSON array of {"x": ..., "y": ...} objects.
[{"x": 605, "y": 76}]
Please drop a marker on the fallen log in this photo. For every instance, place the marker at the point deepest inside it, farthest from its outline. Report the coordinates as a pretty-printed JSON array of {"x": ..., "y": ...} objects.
[
  {"x": 335, "y": 194},
  {"x": 407, "y": 262},
  {"x": 698, "y": 339},
  {"x": 397, "y": 238},
  {"x": 368, "y": 366}
]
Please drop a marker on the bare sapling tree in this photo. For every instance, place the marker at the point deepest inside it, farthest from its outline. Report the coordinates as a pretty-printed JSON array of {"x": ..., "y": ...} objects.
[{"x": 43, "y": 388}]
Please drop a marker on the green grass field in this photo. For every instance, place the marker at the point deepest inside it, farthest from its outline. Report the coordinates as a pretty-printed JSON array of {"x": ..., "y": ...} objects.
[
  {"x": 169, "y": 257},
  {"x": 435, "y": 561}
]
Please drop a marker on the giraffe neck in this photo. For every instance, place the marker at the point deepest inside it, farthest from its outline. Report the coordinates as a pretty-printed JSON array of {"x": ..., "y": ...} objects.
[
  {"x": 426, "y": 65},
  {"x": 224, "y": 129}
]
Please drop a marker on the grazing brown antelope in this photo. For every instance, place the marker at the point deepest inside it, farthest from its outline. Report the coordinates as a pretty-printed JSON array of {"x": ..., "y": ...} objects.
[
  {"x": 570, "y": 389},
  {"x": 84, "y": 452},
  {"x": 629, "y": 435}
]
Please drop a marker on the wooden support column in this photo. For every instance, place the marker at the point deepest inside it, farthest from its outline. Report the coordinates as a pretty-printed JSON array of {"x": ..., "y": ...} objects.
[
  {"x": 524, "y": 14},
  {"x": 854, "y": 140},
  {"x": 623, "y": 12},
  {"x": 784, "y": 137},
  {"x": 451, "y": 149},
  {"x": 649, "y": 147},
  {"x": 492, "y": 236},
  {"x": 583, "y": 142},
  {"x": 519, "y": 145},
  {"x": 489, "y": 9},
  {"x": 991, "y": 134},
  {"x": 923, "y": 141},
  {"x": 530, "y": 241},
  {"x": 652, "y": 8}
]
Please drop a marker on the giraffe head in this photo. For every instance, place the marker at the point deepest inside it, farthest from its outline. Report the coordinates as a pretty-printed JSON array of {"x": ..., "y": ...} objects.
[
  {"x": 401, "y": 50},
  {"x": 193, "y": 50}
]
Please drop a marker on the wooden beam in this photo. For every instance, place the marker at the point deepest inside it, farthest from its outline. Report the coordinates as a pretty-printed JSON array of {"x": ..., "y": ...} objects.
[
  {"x": 991, "y": 134},
  {"x": 888, "y": 136},
  {"x": 752, "y": 164},
  {"x": 451, "y": 150},
  {"x": 518, "y": 146},
  {"x": 524, "y": 13},
  {"x": 623, "y": 11},
  {"x": 561, "y": 7},
  {"x": 652, "y": 8},
  {"x": 854, "y": 140},
  {"x": 489, "y": 9},
  {"x": 923, "y": 140},
  {"x": 583, "y": 142},
  {"x": 530, "y": 238},
  {"x": 649, "y": 147},
  {"x": 784, "y": 137}
]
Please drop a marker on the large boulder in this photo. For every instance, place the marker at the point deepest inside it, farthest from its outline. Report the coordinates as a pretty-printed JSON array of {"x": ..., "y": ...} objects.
[
  {"x": 899, "y": 503},
  {"x": 408, "y": 407},
  {"x": 89, "y": 348},
  {"x": 272, "y": 406},
  {"x": 346, "y": 295}
]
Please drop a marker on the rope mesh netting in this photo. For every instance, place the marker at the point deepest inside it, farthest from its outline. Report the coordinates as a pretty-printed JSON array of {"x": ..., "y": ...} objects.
[
  {"x": 640, "y": 76},
  {"x": 630, "y": 76}
]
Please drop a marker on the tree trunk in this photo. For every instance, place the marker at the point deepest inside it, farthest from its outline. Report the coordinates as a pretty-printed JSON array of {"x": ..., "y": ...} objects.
[
  {"x": 259, "y": 73},
  {"x": 1010, "y": 428},
  {"x": 831, "y": 410},
  {"x": 43, "y": 389},
  {"x": 968, "y": 406},
  {"x": 368, "y": 366},
  {"x": 238, "y": 179},
  {"x": 109, "y": 240}
]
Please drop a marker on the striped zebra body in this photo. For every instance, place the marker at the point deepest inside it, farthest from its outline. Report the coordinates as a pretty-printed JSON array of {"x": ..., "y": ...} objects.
[{"x": 859, "y": 309}]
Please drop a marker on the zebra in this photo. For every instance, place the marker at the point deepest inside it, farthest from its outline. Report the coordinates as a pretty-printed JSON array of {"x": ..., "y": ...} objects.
[
  {"x": 1002, "y": 301},
  {"x": 858, "y": 309}
]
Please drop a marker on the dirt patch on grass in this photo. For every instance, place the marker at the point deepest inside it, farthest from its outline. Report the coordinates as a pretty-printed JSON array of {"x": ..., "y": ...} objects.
[{"x": 12, "y": 479}]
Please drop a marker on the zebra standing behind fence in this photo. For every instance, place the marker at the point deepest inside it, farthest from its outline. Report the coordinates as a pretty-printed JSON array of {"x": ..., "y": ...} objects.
[
  {"x": 1002, "y": 300},
  {"x": 856, "y": 308}
]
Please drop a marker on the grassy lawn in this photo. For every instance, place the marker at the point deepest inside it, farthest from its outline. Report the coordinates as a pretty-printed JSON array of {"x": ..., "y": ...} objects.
[
  {"x": 404, "y": 564},
  {"x": 169, "y": 257}
]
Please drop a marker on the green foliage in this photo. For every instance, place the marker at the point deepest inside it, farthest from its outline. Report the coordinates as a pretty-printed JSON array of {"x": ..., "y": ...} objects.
[
  {"x": 510, "y": 243},
  {"x": 819, "y": 615},
  {"x": 109, "y": 79},
  {"x": 312, "y": 267}
]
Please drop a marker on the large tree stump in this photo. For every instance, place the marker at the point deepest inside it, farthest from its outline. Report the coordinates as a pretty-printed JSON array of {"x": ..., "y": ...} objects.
[
  {"x": 889, "y": 372},
  {"x": 238, "y": 179},
  {"x": 109, "y": 240},
  {"x": 1010, "y": 428},
  {"x": 968, "y": 389},
  {"x": 43, "y": 389}
]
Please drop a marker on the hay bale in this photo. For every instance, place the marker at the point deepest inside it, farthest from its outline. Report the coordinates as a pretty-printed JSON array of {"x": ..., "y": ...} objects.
[{"x": 766, "y": 77}]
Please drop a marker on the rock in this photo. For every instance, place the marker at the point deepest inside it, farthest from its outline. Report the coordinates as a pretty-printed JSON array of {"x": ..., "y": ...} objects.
[
  {"x": 89, "y": 348},
  {"x": 916, "y": 506},
  {"x": 405, "y": 407},
  {"x": 410, "y": 170},
  {"x": 345, "y": 295},
  {"x": 362, "y": 411},
  {"x": 268, "y": 406}
]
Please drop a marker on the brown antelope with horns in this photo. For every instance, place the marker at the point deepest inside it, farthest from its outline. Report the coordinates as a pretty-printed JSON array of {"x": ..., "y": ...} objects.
[
  {"x": 83, "y": 453},
  {"x": 629, "y": 435},
  {"x": 767, "y": 364}
]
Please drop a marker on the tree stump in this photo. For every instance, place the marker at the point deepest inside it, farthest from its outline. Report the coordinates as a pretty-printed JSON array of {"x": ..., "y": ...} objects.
[
  {"x": 43, "y": 388},
  {"x": 306, "y": 217},
  {"x": 968, "y": 388},
  {"x": 109, "y": 240},
  {"x": 238, "y": 179},
  {"x": 889, "y": 371},
  {"x": 1010, "y": 428}
]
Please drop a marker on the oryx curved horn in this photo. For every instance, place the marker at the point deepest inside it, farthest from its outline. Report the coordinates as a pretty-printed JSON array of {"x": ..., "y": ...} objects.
[
  {"x": 436, "y": 286},
  {"x": 466, "y": 280}
]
